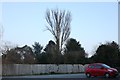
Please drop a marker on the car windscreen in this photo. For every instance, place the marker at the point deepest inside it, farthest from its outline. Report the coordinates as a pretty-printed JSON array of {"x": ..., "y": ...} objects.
[{"x": 106, "y": 66}]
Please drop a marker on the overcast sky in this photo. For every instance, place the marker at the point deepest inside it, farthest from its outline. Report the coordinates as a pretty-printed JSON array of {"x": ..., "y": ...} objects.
[{"x": 92, "y": 22}]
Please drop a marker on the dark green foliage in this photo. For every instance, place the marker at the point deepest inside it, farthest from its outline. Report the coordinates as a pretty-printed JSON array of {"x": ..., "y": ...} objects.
[
  {"x": 73, "y": 45},
  {"x": 37, "y": 48},
  {"x": 74, "y": 53},
  {"x": 51, "y": 55},
  {"x": 49, "y": 51},
  {"x": 107, "y": 53}
]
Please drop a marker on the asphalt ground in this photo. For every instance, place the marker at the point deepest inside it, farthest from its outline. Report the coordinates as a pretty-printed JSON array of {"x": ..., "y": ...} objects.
[{"x": 58, "y": 77}]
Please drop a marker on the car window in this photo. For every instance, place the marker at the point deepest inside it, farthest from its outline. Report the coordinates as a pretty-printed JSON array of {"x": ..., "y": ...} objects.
[
  {"x": 106, "y": 66},
  {"x": 98, "y": 66},
  {"x": 91, "y": 66}
]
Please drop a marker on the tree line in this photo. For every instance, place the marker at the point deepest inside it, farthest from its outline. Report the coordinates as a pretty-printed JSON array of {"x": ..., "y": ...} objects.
[{"x": 73, "y": 53}]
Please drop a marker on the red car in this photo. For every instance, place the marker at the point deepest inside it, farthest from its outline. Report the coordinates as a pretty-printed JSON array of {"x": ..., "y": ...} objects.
[{"x": 100, "y": 69}]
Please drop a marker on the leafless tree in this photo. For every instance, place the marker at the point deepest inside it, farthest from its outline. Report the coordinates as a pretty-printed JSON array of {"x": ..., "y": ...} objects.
[{"x": 59, "y": 25}]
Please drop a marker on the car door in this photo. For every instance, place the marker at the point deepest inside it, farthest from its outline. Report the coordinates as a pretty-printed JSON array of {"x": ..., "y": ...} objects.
[
  {"x": 92, "y": 69},
  {"x": 98, "y": 70}
]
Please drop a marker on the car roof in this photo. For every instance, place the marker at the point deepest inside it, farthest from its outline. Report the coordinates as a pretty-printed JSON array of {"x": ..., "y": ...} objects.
[{"x": 95, "y": 63}]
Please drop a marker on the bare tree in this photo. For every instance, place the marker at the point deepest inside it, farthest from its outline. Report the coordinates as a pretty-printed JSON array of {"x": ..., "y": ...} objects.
[{"x": 59, "y": 25}]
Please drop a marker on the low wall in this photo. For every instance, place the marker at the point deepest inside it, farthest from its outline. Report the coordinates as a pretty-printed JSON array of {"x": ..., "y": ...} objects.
[{"x": 30, "y": 69}]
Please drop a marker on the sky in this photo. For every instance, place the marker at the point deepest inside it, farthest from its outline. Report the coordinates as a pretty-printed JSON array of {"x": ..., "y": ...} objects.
[{"x": 92, "y": 23}]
